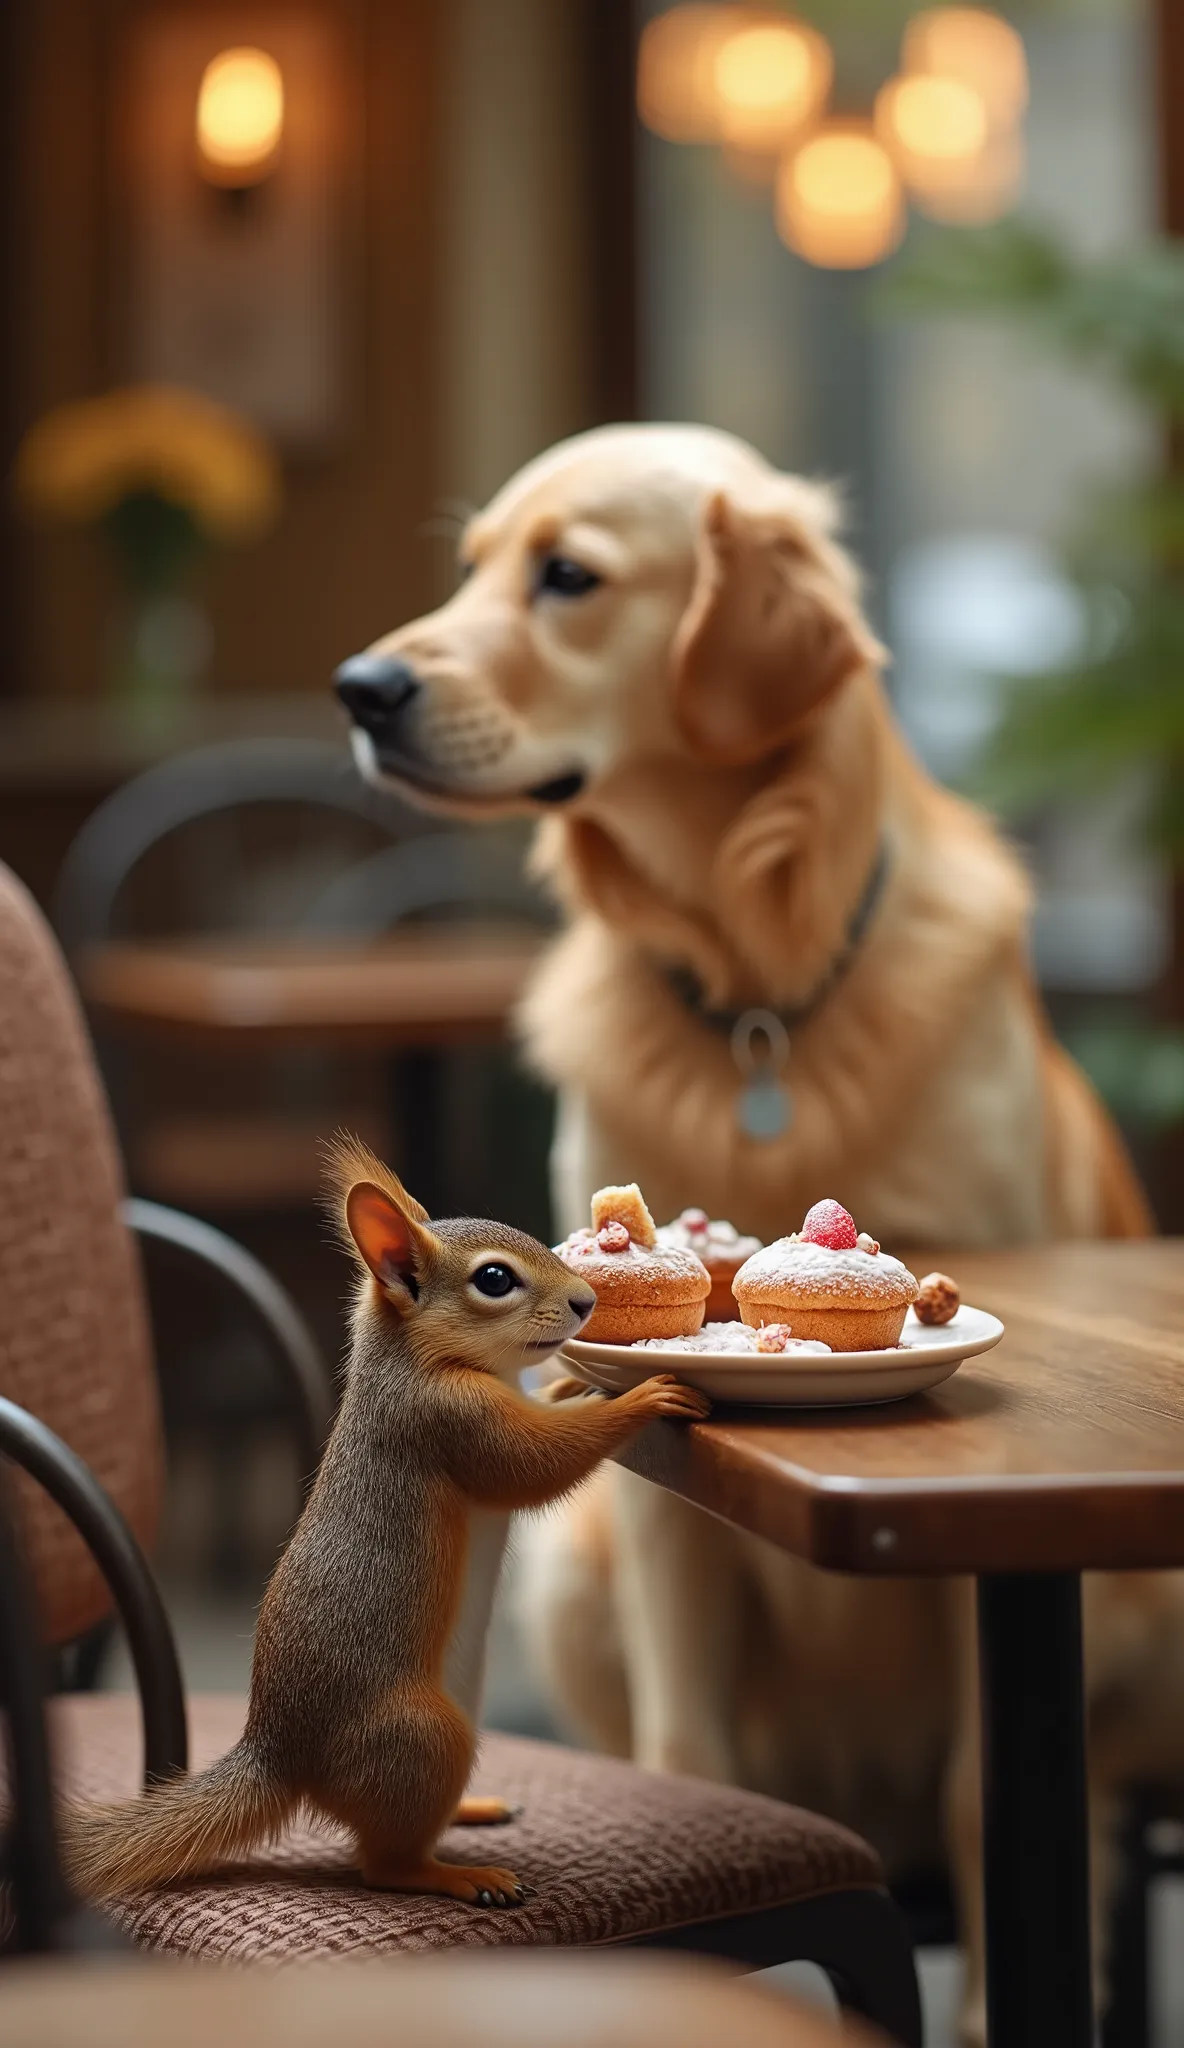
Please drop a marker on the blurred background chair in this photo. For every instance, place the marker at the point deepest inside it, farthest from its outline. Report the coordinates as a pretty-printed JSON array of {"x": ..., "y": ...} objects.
[{"x": 239, "y": 896}]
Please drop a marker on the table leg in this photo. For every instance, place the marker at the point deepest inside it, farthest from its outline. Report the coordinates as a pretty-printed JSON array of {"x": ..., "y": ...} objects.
[{"x": 1035, "y": 1818}]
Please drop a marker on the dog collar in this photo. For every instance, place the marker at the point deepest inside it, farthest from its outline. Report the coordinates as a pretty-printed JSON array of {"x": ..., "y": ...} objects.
[{"x": 764, "y": 1106}]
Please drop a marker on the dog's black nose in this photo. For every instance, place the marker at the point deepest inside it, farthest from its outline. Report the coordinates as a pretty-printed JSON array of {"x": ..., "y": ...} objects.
[{"x": 373, "y": 687}]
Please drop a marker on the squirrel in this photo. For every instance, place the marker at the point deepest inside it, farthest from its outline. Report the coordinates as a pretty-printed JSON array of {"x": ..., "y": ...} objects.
[{"x": 370, "y": 1643}]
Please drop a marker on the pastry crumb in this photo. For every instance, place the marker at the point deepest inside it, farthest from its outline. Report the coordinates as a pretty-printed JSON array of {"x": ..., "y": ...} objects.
[{"x": 625, "y": 1206}]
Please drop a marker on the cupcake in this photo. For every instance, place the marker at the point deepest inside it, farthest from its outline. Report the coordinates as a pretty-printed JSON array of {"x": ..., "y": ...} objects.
[
  {"x": 830, "y": 1282},
  {"x": 722, "y": 1250},
  {"x": 643, "y": 1288}
]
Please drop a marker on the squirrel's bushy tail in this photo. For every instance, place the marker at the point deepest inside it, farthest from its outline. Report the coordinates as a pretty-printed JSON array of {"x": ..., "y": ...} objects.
[{"x": 185, "y": 1828}]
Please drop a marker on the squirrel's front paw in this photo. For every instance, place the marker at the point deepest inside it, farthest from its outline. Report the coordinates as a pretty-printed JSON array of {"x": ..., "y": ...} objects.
[
  {"x": 566, "y": 1389},
  {"x": 664, "y": 1395}
]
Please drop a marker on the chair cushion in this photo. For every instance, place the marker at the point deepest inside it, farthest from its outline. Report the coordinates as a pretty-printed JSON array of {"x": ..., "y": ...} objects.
[
  {"x": 74, "y": 1341},
  {"x": 615, "y": 1853}
]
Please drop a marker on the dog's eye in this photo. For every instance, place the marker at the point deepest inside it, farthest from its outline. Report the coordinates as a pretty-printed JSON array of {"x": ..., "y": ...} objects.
[
  {"x": 495, "y": 1280},
  {"x": 562, "y": 577},
  {"x": 464, "y": 570}
]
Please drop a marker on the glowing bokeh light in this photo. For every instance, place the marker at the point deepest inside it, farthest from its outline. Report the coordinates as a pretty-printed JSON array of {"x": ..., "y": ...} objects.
[
  {"x": 770, "y": 79},
  {"x": 975, "y": 46},
  {"x": 676, "y": 91},
  {"x": 839, "y": 199},
  {"x": 975, "y": 191},
  {"x": 939, "y": 118},
  {"x": 240, "y": 116}
]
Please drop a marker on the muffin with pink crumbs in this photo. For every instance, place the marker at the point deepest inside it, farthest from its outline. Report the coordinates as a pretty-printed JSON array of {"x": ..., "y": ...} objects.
[
  {"x": 721, "y": 1248},
  {"x": 830, "y": 1282},
  {"x": 643, "y": 1288}
]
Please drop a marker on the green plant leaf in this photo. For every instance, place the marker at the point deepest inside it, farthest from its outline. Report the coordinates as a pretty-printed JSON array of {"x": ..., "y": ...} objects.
[
  {"x": 1122, "y": 315},
  {"x": 1137, "y": 1069}
]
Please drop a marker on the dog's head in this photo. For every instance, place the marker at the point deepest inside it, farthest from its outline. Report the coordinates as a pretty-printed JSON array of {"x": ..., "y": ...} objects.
[{"x": 639, "y": 592}]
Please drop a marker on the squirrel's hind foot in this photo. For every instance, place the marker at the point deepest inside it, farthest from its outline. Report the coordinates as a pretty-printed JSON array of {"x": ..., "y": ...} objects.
[{"x": 474, "y": 1884}]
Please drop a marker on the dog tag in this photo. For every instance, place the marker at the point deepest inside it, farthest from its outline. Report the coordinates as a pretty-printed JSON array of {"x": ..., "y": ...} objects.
[{"x": 764, "y": 1107}]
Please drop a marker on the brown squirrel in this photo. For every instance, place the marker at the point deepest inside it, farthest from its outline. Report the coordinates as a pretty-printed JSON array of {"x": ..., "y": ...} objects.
[{"x": 369, "y": 1649}]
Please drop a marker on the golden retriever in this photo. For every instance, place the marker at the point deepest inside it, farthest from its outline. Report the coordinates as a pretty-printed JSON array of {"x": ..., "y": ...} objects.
[{"x": 658, "y": 648}]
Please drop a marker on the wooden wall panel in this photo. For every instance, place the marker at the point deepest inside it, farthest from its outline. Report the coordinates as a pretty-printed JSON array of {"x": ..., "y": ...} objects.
[{"x": 350, "y": 555}]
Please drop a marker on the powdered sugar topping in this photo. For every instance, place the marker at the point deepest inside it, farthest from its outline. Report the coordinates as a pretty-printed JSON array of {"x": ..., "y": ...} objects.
[
  {"x": 813, "y": 1269},
  {"x": 727, "y": 1338},
  {"x": 584, "y": 1247}
]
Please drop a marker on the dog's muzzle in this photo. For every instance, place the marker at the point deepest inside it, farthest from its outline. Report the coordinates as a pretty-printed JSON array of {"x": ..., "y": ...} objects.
[{"x": 377, "y": 690}]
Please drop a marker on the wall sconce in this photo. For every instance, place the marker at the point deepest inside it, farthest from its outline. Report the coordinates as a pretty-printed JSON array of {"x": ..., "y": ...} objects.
[
  {"x": 239, "y": 121},
  {"x": 244, "y": 299}
]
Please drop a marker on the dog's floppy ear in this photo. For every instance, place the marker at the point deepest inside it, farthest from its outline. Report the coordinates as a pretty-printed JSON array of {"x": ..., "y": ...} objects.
[{"x": 773, "y": 624}]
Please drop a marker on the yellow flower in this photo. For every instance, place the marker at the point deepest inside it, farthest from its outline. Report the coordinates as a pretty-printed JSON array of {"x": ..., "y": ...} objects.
[{"x": 80, "y": 461}]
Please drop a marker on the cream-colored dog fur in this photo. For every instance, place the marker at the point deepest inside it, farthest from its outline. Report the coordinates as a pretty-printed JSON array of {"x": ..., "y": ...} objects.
[{"x": 719, "y": 694}]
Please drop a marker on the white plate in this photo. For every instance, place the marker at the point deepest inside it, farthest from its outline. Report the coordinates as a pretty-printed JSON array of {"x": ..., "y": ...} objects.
[{"x": 807, "y": 1379}]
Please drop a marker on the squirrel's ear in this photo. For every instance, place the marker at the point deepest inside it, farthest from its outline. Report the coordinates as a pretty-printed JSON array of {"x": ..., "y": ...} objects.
[{"x": 390, "y": 1241}]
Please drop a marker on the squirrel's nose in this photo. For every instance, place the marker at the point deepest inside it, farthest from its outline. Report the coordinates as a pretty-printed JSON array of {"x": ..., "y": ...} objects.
[
  {"x": 374, "y": 688},
  {"x": 582, "y": 1305}
]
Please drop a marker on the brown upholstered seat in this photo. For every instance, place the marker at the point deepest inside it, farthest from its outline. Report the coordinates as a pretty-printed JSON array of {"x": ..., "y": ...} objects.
[
  {"x": 74, "y": 1342},
  {"x": 466, "y": 2002},
  {"x": 616, "y": 1854}
]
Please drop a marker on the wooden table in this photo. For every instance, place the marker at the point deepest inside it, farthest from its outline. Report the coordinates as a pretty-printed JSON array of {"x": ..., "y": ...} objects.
[{"x": 1060, "y": 1452}]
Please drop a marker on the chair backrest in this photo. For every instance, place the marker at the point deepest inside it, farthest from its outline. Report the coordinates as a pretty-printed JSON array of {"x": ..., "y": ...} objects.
[
  {"x": 216, "y": 789},
  {"x": 474, "y": 872},
  {"x": 74, "y": 1337}
]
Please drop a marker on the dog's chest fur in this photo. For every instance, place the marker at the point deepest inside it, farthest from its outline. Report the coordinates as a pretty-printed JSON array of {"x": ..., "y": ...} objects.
[{"x": 967, "y": 1166}]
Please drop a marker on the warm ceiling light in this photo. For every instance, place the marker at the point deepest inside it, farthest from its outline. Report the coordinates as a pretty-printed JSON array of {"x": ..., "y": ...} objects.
[
  {"x": 240, "y": 116},
  {"x": 932, "y": 117},
  {"x": 676, "y": 90},
  {"x": 976, "y": 190},
  {"x": 975, "y": 46},
  {"x": 770, "y": 79},
  {"x": 839, "y": 200}
]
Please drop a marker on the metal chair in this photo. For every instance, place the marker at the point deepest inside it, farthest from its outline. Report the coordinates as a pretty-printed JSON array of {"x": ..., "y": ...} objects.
[
  {"x": 44, "y": 1918},
  {"x": 221, "y": 783}
]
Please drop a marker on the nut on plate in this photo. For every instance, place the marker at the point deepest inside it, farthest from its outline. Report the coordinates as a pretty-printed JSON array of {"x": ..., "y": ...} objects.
[{"x": 938, "y": 1299}]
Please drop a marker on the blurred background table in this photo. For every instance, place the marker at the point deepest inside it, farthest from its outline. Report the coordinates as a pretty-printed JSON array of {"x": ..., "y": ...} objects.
[
  {"x": 1060, "y": 1452},
  {"x": 425, "y": 986},
  {"x": 411, "y": 994}
]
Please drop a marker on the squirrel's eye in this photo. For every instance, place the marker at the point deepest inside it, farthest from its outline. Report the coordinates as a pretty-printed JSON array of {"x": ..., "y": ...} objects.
[
  {"x": 495, "y": 1280},
  {"x": 561, "y": 577}
]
